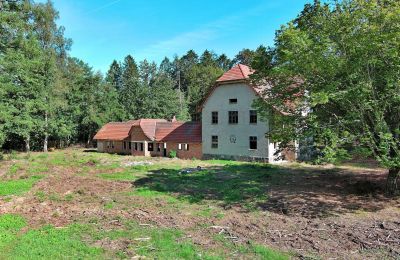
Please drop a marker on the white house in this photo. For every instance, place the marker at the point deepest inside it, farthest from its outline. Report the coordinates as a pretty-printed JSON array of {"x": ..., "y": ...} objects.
[{"x": 231, "y": 128}]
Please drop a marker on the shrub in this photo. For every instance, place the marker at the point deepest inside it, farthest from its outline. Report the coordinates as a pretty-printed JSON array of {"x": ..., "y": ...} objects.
[
  {"x": 172, "y": 154},
  {"x": 1, "y": 156}
]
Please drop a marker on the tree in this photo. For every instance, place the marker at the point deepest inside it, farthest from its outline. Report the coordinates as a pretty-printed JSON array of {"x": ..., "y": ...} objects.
[
  {"x": 165, "y": 101},
  {"x": 201, "y": 79},
  {"x": 134, "y": 95},
  {"x": 335, "y": 72},
  {"x": 114, "y": 75},
  {"x": 244, "y": 57},
  {"x": 54, "y": 46}
]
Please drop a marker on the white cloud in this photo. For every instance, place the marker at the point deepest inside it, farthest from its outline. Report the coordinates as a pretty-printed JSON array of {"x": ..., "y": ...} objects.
[{"x": 199, "y": 36}]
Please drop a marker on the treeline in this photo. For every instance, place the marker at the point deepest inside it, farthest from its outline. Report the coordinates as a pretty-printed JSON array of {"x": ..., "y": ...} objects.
[{"x": 48, "y": 98}]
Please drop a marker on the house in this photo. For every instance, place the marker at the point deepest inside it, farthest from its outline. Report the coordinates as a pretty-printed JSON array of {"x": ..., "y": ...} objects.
[
  {"x": 151, "y": 137},
  {"x": 231, "y": 127}
]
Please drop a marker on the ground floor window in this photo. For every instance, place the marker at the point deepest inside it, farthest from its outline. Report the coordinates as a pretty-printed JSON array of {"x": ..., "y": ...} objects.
[
  {"x": 179, "y": 146},
  {"x": 253, "y": 142},
  {"x": 187, "y": 147},
  {"x": 141, "y": 147},
  {"x": 214, "y": 141},
  {"x": 158, "y": 147},
  {"x": 110, "y": 144},
  {"x": 130, "y": 146},
  {"x": 125, "y": 145},
  {"x": 150, "y": 147},
  {"x": 136, "y": 146}
]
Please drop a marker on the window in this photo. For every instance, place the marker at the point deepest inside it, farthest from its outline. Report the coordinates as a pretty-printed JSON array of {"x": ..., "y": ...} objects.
[
  {"x": 150, "y": 147},
  {"x": 158, "y": 147},
  {"x": 214, "y": 141},
  {"x": 136, "y": 148},
  {"x": 141, "y": 146},
  {"x": 233, "y": 117},
  {"x": 124, "y": 145},
  {"x": 214, "y": 117},
  {"x": 253, "y": 142},
  {"x": 130, "y": 146},
  {"x": 187, "y": 147},
  {"x": 110, "y": 144},
  {"x": 180, "y": 146},
  {"x": 233, "y": 101},
  {"x": 253, "y": 116}
]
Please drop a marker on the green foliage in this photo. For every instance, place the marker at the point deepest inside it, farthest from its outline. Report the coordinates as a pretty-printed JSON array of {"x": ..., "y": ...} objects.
[
  {"x": 172, "y": 154},
  {"x": 337, "y": 64}
]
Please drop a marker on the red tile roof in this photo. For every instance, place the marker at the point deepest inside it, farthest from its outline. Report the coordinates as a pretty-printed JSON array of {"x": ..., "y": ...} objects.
[
  {"x": 115, "y": 131},
  {"x": 182, "y": 132},
  {"x": 238, "y": 72},
  {"x": 149, "y": 126}
]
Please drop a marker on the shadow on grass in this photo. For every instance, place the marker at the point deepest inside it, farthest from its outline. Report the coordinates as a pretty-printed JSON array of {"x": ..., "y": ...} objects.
[{"x": 298, "y": 191}]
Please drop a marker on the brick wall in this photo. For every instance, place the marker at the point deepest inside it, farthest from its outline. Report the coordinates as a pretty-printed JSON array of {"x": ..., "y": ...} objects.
[
  {"x": 195, "y": 150},
  {"x": 118, "y": 148}
]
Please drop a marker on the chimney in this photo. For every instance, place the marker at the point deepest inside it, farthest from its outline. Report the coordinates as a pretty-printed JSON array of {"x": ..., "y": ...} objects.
[{"x": 173, "y": 119}]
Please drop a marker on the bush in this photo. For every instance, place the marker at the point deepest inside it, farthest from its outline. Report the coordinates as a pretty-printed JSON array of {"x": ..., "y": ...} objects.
[
  {"x": 1, "y": 156},
  {"x": 172, "y": 154}
]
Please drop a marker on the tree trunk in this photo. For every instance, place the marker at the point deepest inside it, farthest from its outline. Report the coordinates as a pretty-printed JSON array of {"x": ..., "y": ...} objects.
[
  {"x": 27, "y": 144},
  {"x": 88, "y": 141},
  {"x": 392, "y": 181},
  {"x": 46, "y": 135}
]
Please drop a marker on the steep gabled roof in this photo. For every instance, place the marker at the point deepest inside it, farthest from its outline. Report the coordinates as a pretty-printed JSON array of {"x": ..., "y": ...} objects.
[
  {"x": 148, "y": 126},
  {"x": 181, "y": 132},
  {"x": 117, "y": 131},
  {"x": 238, "y": 72}
]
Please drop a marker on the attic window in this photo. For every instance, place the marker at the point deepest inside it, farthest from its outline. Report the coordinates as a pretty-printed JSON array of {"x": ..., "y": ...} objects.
[{"x": 233, "y": 101}]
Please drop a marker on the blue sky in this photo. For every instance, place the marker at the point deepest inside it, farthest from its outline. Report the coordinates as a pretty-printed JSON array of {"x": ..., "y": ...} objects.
[{"x": 104, "y": 30}]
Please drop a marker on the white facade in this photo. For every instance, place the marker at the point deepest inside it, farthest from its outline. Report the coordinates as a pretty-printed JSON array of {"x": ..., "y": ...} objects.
[{"x": 234, "y": 139}]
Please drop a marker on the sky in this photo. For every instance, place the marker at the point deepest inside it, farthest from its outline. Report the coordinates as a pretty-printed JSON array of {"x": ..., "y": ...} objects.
[{"x": 107, "y": 30}]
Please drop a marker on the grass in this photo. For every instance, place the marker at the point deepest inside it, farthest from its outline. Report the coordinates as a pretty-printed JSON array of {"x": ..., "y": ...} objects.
[
  {"x": 161, "y": 183},
  {"x": 16, "y": 187},
  {"x": 230, "y": 184},
  {"x": 44, "y": 243}
]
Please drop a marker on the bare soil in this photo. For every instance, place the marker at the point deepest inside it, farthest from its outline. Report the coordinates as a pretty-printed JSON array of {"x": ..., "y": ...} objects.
[{"x": 313, "y": 212}]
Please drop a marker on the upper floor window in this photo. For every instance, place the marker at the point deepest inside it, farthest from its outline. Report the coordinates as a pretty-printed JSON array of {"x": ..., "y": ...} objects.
[
  {"x": 253, "y": 142},
  {"x": 232, "y": 100},
  {"x": 214, "y": 141},
  {"x": 233, "y": 117},
  {"x": 253, "y": 116},
  {"x": 214, "y": 117}
]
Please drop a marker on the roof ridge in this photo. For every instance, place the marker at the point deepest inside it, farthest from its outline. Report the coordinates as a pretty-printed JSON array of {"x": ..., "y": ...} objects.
[{"x": 241, "y": 70}]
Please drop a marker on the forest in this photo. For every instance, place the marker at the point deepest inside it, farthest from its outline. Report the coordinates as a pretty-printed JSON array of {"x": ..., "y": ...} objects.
[{"x": 50, "y": 99}]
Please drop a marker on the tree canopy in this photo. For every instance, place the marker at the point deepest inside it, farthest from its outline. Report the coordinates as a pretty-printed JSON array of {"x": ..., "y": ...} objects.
[{"x": 335, "y": 72}]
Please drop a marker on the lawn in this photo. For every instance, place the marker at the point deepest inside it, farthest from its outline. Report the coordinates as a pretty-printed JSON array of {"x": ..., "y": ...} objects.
[{"x": 88, "y": 205}]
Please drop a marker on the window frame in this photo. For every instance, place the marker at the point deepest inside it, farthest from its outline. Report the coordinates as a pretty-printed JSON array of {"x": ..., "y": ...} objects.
[
  {"x": 214, "y": 141},
  {"x": 253, "y": 115},
  {"x": 214, "y": 115},
  {"x": 150, "y": 147},
  {"x": 253, "y": 140},
  {"x": 232, "y": 115}
]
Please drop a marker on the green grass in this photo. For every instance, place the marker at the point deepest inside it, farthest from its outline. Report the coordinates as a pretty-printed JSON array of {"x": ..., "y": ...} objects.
[
  {"x": 16, "y": 187},
  {"x": 234, "y": 183},
  {"x": 9, "y": 226},
  {"x": 51, "y": 243}
]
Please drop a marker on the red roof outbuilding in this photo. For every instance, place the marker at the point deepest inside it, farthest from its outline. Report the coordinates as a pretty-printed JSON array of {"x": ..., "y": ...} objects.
[{"x": 117, "y": 131}]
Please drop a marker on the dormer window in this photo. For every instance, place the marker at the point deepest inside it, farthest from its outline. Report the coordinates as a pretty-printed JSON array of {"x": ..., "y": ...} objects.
[{"x": 233, "y": 101}]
